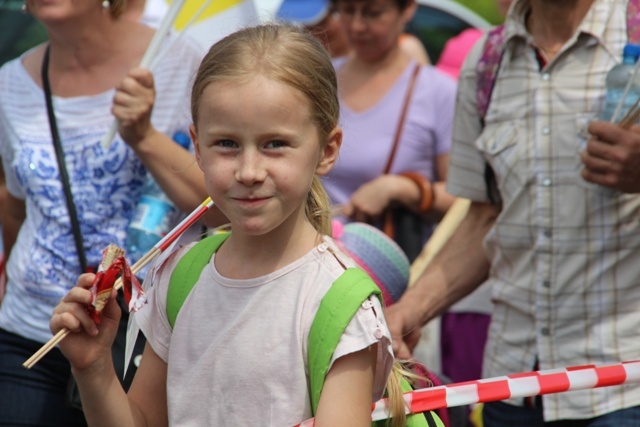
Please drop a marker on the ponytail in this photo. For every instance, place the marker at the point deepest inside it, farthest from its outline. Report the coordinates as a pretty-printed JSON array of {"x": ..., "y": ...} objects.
[{"x": 318, "y": 208}]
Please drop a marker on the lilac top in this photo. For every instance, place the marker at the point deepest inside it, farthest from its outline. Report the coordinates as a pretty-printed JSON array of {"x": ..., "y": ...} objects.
[{"x": 368, "y": 135}]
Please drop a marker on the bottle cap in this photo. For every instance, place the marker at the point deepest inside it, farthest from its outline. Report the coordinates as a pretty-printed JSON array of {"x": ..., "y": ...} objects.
[
  {"x": 631, "y": 50},
  {"x": 184, "y": 140}
]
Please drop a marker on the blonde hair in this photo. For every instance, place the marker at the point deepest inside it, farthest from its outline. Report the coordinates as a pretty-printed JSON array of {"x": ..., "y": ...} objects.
[{"x": 289, "y": 55}]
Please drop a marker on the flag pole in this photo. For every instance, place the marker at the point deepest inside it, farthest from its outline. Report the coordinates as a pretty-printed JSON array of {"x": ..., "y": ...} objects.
[{"x": 150, "y": 53}]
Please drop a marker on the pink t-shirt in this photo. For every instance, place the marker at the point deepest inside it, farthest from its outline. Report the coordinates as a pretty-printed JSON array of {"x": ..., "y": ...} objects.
[{"x": 455, "y": 51}]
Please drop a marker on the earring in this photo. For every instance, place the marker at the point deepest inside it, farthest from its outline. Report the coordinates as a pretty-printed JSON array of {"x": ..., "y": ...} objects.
[
  {"x": 24, "y": 8},
  {"x": 106, "y": 5}
]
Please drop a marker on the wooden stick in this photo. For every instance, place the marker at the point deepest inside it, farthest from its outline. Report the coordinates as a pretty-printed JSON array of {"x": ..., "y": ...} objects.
[{"x": 440, "y": 236}]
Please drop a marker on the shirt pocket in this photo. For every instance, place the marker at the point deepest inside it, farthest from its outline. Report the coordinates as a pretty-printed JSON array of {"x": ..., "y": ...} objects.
[{"x": 501, "y": 148}]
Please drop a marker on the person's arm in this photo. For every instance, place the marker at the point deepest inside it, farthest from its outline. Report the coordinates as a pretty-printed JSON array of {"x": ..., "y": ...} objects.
[
  {"x": 612, "y": 157},
  {"x": 88, "y": 349},
  {"x": 346, "y": 395},
  {"x": 174, "y": 168},
  {"x": 442, "y": 200},
  {"x": 459, "y": 268}
]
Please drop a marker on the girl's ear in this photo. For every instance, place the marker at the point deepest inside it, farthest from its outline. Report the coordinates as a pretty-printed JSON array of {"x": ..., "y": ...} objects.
[
  {"x": 196, "y": 146},
  {"x": 329, "y": 154}
]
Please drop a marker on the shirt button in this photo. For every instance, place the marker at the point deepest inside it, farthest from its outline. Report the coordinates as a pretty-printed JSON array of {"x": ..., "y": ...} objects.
[
  {"x": 546, "y": 283},
  {"x": 546, "y": 130},
  {"x": 546, "y": 77},
  {"x": 545, "y": 331},
  {"x": 546, "y": 182},
  {"x": 547, "y": 233},
  {"x": 377, "y": 333},
  {"x": 367, "y": 304}
]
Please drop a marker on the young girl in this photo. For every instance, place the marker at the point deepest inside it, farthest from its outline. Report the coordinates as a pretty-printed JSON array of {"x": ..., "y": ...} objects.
[{"x": 265, "y": 114}]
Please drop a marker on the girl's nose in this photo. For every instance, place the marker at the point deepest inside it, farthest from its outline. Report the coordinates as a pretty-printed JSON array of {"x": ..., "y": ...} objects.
[{"x": 250, "y": 168}]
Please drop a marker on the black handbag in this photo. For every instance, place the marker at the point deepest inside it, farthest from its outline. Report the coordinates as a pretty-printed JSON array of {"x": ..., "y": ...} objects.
[{"x": 118, "y": 348}]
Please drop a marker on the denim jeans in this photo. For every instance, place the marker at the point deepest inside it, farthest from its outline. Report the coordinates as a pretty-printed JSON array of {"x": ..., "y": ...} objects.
[
  {"x": 36, "y": 396},
  {"x": 500, "y": 414}
]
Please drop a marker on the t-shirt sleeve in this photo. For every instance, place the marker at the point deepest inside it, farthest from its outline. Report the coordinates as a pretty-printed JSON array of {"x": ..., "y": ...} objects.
[{"x": 367, "y": 328}]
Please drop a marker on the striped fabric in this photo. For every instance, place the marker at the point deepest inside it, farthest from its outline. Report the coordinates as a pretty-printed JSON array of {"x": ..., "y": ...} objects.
[{"x": 564, "y": 253}]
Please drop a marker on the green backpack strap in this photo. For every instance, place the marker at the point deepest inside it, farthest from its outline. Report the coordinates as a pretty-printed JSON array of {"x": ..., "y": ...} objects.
[
  {"x": 337, "y": 308},
  {"x": 187, "y": 272}
]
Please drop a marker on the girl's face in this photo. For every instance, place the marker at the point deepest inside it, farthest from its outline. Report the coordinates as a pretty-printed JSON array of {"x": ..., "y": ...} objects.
[
  {"x": 373, "y": 26},
  {"x": 259, "y": 151}
]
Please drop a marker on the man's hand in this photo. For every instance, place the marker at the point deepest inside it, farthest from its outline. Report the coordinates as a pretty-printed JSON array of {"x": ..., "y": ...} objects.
[
  {"x": 404, "y": 326},
  {"x": 612, "y": 157}
]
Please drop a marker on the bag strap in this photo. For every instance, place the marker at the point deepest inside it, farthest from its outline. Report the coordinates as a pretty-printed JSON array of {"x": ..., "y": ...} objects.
[
  {"x": 403, "y": 114},
  {"x": 633, "y": 21},
  {"x": 337, "y": 308},
  {"x": 188, "y": 271},
  {"x": 487, "y": 69},
  {"x": 62, "y": 167}
]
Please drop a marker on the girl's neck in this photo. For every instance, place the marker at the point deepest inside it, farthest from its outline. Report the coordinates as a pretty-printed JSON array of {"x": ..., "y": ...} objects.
[{"x": 245, "y": 256}]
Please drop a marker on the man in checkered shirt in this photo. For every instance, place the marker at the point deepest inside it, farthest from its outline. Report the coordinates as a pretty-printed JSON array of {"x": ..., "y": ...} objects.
[{"x": 554, "y": 224}]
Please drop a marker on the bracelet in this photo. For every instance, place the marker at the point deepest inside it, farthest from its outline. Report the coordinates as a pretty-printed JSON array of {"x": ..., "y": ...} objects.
[{"x": 426, "y": 190}]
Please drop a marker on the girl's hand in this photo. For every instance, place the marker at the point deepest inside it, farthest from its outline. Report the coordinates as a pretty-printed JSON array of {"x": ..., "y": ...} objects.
[
  {"x": 133, "y": 104},
  {"x": 88, "y": 344}
]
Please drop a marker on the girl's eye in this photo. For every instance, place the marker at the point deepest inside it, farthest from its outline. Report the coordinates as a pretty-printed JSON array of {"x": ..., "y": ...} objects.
[
  {"x": 275, "y": 144},
  {"x": 226, "y": 143}
]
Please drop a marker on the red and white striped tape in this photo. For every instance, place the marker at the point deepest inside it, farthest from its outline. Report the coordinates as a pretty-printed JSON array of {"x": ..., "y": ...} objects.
[{"x": 516, "y": 385}]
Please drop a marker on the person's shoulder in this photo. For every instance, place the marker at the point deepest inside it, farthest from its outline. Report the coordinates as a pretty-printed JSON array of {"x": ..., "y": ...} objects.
[
  {"x": 16, "y": 83},
  {"x": 434, "y": 81}
]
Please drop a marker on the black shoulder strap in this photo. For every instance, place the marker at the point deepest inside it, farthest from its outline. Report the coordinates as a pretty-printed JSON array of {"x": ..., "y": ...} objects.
[{"x": 64, "y": 175}]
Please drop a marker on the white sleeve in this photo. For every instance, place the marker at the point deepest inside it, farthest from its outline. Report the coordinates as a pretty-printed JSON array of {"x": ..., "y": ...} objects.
[{"x": 366, "y": 328}]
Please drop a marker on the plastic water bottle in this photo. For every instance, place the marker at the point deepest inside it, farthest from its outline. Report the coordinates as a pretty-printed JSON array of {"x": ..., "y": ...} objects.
[
  {"x": 616, "y": 83},
  {"x": 154, "y": 216}
]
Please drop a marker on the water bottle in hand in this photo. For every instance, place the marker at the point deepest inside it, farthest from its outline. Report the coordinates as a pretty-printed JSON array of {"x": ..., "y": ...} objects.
[{"x": 616, "y": 83}]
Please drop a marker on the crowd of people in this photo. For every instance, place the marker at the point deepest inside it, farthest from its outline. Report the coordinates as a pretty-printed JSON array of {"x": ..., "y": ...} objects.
[{"x": 300, "y": 127}]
